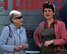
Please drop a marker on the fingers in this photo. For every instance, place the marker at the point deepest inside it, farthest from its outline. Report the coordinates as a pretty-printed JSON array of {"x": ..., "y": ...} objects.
[
  {"x": 39, "y": 45},
  {"x": 47, "y": 43},
  {"x": 17, "y": 48},
  {"x": 24, "y": 46}
]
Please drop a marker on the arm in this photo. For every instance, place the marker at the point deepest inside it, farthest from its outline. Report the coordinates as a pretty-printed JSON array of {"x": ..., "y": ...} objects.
[
  {"x": 26, "y": 39},
  {"x": 3, "y": 40},
  {"x": 63, "y": 35},
  {"x": 25, "y": 44},
  {"x": 36, "y": 34}
]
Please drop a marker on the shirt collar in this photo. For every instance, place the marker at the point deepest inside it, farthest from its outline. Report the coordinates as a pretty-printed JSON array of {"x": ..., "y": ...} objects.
[
  {"x": 54, "y": 22},
  {"x": 14, "y": 26}
]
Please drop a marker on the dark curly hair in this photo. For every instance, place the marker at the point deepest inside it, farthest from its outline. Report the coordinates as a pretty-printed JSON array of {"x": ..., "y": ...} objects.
[{"x": 48, "y": 5}]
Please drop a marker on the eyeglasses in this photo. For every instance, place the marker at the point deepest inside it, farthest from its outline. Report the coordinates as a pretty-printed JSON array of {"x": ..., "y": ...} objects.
[{"x": 19, "y": 17}]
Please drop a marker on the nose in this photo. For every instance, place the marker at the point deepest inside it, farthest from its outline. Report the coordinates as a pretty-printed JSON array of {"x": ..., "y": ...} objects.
[{"x": 22, "y": 19}]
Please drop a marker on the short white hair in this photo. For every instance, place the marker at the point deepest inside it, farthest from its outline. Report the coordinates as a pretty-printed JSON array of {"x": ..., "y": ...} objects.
[{"x": 14, "y": 12}]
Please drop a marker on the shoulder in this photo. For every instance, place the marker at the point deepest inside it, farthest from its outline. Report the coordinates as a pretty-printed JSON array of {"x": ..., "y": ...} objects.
[
  {"x": 22, "y": 28},
  {"x": 42, "y": 23},
  {"x": 6, "y": 28},
  {"x": 60, "y": 22}
]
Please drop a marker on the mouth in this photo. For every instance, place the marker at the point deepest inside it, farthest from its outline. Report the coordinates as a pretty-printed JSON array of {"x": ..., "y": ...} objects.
[{"x": 47, "y": 15}]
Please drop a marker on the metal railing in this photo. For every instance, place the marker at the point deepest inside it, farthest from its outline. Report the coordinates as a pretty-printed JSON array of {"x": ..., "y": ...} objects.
[{"x": 33, "y": 52}]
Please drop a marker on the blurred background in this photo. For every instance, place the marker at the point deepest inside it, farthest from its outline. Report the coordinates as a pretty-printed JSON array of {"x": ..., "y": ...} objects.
[{"x": 32, "y": 15}]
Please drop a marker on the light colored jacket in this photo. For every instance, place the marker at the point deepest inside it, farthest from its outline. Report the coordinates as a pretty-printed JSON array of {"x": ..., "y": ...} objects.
[{"x": 7, "y": 43}]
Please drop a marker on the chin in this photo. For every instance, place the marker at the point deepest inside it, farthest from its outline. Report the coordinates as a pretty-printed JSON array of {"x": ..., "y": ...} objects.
[
  {"x": 48, "y": 18},
  {"x": 21, "y": 24}
]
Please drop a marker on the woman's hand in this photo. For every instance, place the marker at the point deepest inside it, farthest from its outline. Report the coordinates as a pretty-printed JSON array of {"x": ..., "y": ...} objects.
[
  {"x": 23, "y": 46},
  {"x": 39, "y": 45},
  {"x": 47, "y": 43},
  {"x": 17, "y": 48}
]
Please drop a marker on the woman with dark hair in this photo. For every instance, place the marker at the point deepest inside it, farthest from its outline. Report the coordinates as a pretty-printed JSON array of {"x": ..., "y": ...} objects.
[{"x": 51, "y": 34}]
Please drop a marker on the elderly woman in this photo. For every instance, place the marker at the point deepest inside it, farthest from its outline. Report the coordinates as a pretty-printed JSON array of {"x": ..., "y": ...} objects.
[
  {"x": 13, "y": 39},
  {"x": 51, "y": 34}
]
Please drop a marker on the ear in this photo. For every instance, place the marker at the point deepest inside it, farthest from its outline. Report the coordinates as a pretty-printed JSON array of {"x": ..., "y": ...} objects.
[{"x": 13, "y": 20}]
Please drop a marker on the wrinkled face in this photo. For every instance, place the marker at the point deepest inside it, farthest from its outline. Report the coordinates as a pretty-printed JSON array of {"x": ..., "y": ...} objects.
[
  {"x": 48, "y": 13},
  {"x": 18, "y": 21}
]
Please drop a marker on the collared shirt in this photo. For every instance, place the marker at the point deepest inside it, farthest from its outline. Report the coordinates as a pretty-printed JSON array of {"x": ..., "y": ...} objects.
[
  {"x": 54, "y": 22},
  {"x": 18, "y": 31},
  {"x": 16, "y": 39}
]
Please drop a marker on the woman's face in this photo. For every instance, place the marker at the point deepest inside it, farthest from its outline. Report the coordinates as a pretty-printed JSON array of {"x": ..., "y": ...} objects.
[
  {"x": 18, "y": 21},
  {"x": 48, "y": 13}
]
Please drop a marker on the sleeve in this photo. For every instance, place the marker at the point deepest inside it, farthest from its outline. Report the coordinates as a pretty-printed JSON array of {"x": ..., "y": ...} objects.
[
  {"x": 36, "y": 34},
  {"x": 3, "y": 40},
  {"x": 26, "y": 41},
  {"x": 63, "y": 35}
]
